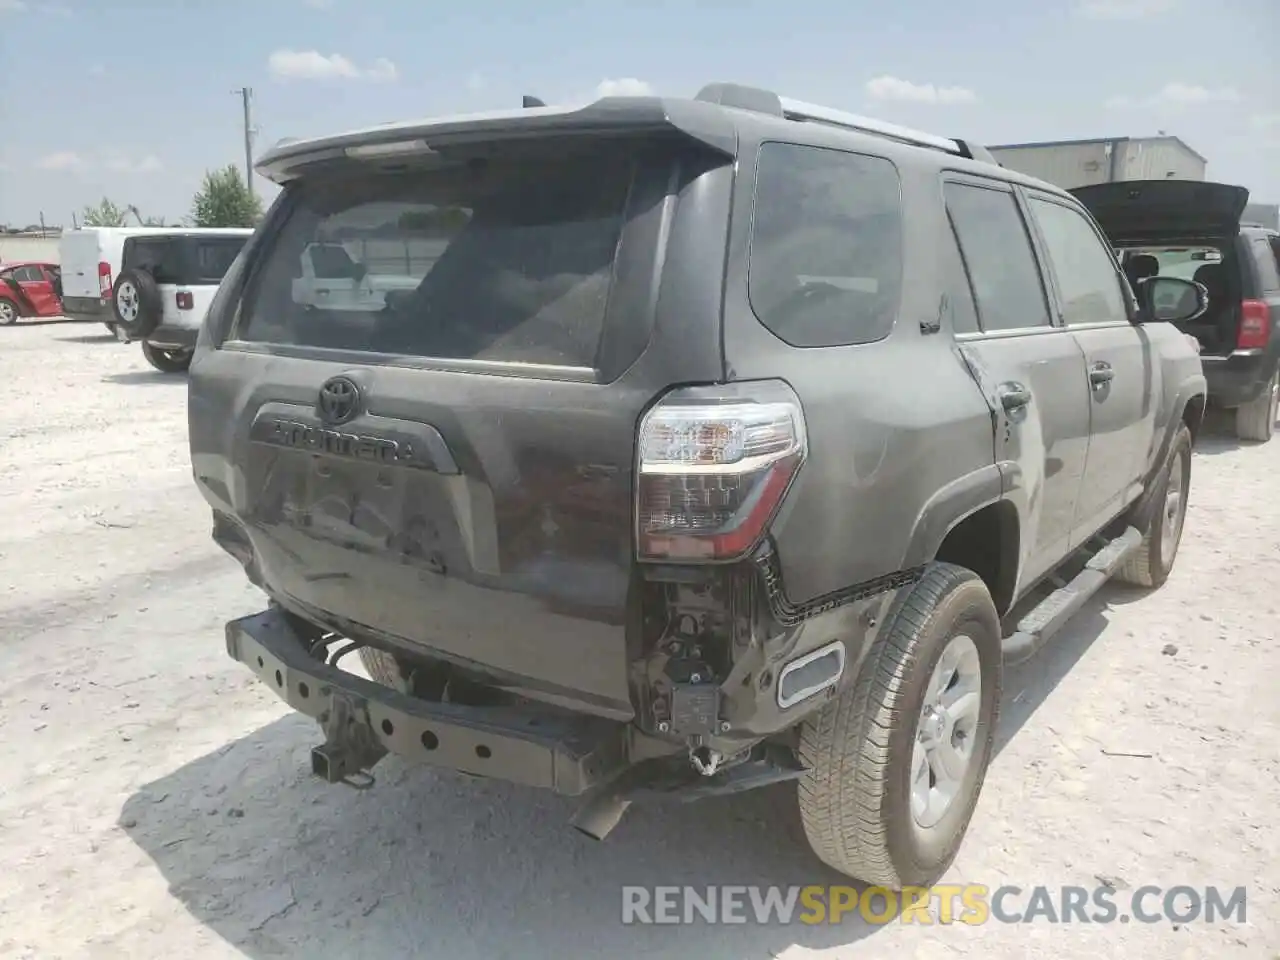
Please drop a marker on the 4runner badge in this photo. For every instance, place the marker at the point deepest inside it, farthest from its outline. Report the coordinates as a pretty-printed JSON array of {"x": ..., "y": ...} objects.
[{"x": 339, "y": 400}]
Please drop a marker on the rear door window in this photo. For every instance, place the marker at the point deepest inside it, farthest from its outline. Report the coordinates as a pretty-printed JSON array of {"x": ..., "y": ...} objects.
[
  {"x": 162, "y": 258},
  {"x": 213, "y": 256},
  {"x": 1265, "y": 258},
  {"x": 826, "y": 245},
  {"x": 998, "y": 257},
  {"x": 509, "y": 258}
]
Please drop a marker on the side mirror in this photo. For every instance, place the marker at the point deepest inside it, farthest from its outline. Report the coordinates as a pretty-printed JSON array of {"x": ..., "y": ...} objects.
[{"x": 1171, "y": 300}]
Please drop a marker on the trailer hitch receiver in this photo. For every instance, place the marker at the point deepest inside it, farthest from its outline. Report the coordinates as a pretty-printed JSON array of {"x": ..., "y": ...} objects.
[{"x": 350, "y": 749}]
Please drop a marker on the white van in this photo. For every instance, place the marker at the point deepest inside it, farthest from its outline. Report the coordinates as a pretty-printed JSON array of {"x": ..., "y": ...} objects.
[
  {"x": 90, "y": 259},
  {"x": 166, "y": 280}
]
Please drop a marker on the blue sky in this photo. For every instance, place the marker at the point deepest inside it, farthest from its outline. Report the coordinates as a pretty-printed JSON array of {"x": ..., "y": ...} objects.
[{"x": 132, "y": 99}]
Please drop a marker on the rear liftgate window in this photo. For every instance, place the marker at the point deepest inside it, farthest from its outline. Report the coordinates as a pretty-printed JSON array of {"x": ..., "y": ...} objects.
[
  {"x": 826, "y": 245},
  {"x": 509, "y": 258}
]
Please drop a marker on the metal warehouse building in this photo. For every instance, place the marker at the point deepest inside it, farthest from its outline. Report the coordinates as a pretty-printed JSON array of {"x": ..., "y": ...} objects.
[{"x": 1077, "y": 163}]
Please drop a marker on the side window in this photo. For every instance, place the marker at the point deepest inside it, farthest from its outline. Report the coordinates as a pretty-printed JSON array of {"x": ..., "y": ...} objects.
[
  {"x": 825, "y": 266},
  {"x": 998, "y": 255},
  {"x": 29, "y": 274},
  {"x": 160, "y": 258},
  {"x": 214, "y": 256},
  {"x": 1268, "y": 274},
  {"x": 1083, "y": 265}
]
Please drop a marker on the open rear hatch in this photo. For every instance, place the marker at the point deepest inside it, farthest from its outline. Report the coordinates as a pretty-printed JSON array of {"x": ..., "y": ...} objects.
[
  {"x": 450, "y": 471},
  {"x": 1151, "y": 211}
]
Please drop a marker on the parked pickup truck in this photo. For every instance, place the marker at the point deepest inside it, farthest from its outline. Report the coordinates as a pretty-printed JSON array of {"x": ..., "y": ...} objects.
[{"x": 728, "y": 441}]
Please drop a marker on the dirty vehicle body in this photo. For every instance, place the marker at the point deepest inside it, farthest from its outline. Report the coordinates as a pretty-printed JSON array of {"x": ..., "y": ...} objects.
[
  {"x": 703, "y": 455},
  {"x": 166, "y": 282},
  {"x": 29, "y": 288},
  {"x": 1193, "y": 229}
]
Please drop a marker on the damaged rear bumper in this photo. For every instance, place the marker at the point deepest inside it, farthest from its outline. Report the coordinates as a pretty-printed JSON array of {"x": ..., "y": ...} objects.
[{"x": 363, "y": 721}]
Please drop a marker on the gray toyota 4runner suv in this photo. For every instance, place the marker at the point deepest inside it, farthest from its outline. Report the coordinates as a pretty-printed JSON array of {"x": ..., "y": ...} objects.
[{"x": 717, "y": 442}]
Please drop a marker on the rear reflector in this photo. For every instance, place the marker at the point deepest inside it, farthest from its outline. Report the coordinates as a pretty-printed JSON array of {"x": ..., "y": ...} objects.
[
  {"x": 104, "y": 278},
  {"x": 185, "y": 300},
  {"x": 1255, "y": 325},
  {"x": 714, "y": 466}
]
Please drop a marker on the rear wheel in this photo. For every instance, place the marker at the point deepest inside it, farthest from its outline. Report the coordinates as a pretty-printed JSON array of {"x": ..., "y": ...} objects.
[
  {"x": 896, "y": 762},
  {"x": 382, "y": 668},
  {"x": 1256, "y": 420},
  {"x": 167, "y": 361},
  {"x": 1151, "y": 564},
  {"x": 8, "y": 312}
]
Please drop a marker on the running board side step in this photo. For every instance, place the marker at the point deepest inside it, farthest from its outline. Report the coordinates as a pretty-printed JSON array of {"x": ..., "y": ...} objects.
[{"x": 1051, "y": 614}]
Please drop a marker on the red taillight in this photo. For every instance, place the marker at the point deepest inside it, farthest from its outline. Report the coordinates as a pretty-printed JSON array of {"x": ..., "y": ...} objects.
[
  {"x": 1255, "y": 325},
  {"x": 104, "y": 278},
  {"x": 714, "y": 464},
  {"x": 185, "y": 300}
]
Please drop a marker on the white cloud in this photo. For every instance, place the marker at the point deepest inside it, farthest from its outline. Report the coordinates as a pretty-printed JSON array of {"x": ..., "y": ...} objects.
[
  {"x": 382, "y": 70},
  {"x": 1265, "y": 121},
  {"x": 475, "y": 82},
  {"x": 97, "y": 70},
  {"x": 625, "y": 87},
  {"x": 12, "y": 6},
  {"x": 1177, "y": 94},
  {"x": 313, "y": 65},
  {"x": 119, "y": 162},
  {"x": 892, "y": 88},
  {"x": 1123, "y": 9},
  {"x": 61, "y": 160}
]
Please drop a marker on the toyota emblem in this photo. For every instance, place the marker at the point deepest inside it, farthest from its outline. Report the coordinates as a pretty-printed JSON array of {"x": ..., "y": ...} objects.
[{"x": 339, "y": 400}]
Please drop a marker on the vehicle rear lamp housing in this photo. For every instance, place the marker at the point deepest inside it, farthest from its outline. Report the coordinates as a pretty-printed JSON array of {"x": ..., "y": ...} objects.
[
  {"x": 1255, "y": 325},
  {"x": 713, "y": 467}
]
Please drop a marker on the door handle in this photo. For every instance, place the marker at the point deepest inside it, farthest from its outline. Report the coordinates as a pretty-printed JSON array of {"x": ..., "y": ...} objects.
[
  {"x": 1100, "y": 374},
  {"x": 1013, "y": 396}
]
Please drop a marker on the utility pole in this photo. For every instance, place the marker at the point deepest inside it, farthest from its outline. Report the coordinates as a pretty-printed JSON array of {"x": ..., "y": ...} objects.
[{"x": 246, "y": 95}]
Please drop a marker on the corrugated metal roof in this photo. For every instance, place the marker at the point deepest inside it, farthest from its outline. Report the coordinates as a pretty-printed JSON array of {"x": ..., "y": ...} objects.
[{"x": 1071, "y": 143}]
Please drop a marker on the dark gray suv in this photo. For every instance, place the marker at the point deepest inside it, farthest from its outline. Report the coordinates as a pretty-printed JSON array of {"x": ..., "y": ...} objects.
[
  {"x": 663, "y": 448},
  {"x": 1193, "y": 229}
]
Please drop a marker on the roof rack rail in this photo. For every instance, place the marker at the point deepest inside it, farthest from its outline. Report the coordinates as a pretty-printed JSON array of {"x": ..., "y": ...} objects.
[{"x": 766, "y": 101}]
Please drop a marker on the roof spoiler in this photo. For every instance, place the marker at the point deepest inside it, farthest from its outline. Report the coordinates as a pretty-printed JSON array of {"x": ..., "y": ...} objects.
[{"x": 766, "y": 101}]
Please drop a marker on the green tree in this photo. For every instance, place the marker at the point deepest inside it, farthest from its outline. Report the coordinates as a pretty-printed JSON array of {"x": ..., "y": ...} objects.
[
  {"x": 105, "y": 214},
  {"x": 224, "y": 200}
]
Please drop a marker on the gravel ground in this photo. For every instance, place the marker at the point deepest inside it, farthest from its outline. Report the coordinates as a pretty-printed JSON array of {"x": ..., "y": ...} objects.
[{"x": 155, "y": 801}]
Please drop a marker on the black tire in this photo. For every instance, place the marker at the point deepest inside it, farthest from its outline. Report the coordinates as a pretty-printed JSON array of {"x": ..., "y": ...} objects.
[
  {"x": 1151, "y": 564},
  {"x": 9, "y": 312},
  {"x": 1256, "y": 420},
  {"x": 382, "y": 668},
  {"x": 167, "y": 361},
  {"x": 855, "y": 799},
  {"x": 136, "y": 303}
]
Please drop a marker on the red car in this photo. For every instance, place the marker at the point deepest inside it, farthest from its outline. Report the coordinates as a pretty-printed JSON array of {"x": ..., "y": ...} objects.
[{"x": 29, "y": 289}]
